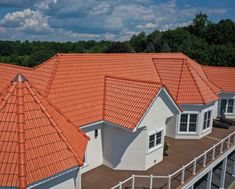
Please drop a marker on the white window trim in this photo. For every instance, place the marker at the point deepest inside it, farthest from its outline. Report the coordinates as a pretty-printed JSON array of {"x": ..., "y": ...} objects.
[
  {"x": 156, "y": 147},
  {"x": 226, "y": 107},
  {"x": 179, "y": 121},
  {"x": 210, "y": 124}
]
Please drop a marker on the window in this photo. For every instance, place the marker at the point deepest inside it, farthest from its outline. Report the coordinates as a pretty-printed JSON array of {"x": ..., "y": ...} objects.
[
  {"x": 227, "y": 105},
  {"x": 155, "y": 139},
  {"x": 230, "y": 106},
  {"x": 188, "y": 123},
  {"x": 207, "y": 120},
  {"x": 96, "y": 133}
]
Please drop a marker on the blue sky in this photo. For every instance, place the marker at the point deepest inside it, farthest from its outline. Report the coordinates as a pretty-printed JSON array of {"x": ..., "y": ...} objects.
[{"x": 73, "y": 20}]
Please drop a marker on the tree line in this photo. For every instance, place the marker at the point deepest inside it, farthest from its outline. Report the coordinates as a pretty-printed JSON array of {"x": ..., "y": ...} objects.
[{"x": 206, "y": 42}]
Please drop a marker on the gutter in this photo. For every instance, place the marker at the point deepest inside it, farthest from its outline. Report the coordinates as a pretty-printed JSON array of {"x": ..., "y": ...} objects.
[{"x": 53, "y": 177}]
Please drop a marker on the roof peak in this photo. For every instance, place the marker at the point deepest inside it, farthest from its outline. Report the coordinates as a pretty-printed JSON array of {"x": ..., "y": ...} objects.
[{"x": 19, "y": 78}]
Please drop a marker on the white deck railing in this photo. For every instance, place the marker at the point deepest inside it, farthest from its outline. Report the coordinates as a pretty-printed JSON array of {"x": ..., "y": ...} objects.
[{"x": 215, "y": 151}]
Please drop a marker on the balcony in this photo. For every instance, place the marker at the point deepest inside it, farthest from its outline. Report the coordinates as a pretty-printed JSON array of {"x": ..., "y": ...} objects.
[{"x": 186, "y": 159}]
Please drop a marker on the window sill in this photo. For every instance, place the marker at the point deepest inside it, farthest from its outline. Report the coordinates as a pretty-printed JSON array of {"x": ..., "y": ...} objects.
[
  {"x": 187, "y": 133},
  {"x": 205, "y": 130},
  {"x": 154, "y": 149}
]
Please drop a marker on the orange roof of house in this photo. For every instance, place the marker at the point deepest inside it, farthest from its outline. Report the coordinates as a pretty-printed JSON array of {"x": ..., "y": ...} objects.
[
  {"x": 222, "y": 77},
  {"x": 75, "y": 84},
  {"x": 36, "y": 140},
  {"x": 186, "y": 80},
  {"x": 126, "y": 101}
]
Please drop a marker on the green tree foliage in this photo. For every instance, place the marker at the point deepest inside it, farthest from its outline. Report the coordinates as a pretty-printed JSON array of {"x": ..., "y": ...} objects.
[{"x": 206, "y": 42}]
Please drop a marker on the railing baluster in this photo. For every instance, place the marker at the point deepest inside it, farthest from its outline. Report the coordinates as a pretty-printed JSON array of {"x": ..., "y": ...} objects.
[
  {"x": 151, "y": 182},
  {"x": 222, "y": 146},
  {"x": 120, "y": 185},
  {"x": 228, "y": 144},
  {"x": 169, "y": 181},
  {"x": 133, "y": 182},
  {"x": 194, "y": 166},
  {"x": 183, "y": 174},
  {"x": 204, "y": 160},
  {"x": 213, "y": 153}
]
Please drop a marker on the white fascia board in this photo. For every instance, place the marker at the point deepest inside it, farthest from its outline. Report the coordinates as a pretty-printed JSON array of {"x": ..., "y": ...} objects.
[
  {"x": 91, "y": 124},
  {"x": 53, "y": 177}
]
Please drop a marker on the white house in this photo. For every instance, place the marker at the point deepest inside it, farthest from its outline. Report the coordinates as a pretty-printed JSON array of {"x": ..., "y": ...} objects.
[{"x": 127, "y": 103}]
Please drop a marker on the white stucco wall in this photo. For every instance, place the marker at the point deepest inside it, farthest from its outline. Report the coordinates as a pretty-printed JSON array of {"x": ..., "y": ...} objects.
[
  {"x": 225, "y": 95},
  {"x": 94, "y": 151},
  {"x": 199, "y": 109},
  {"x": 155, "y": 120},
  {"x": 124, "y": 150},
  {"x": 127, "y": 150}
]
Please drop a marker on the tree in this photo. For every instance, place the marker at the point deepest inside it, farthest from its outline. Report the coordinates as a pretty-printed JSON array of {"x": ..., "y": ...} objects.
[
  {"x": 119, "y": 47},
  {"x": 138, "y": 42}
]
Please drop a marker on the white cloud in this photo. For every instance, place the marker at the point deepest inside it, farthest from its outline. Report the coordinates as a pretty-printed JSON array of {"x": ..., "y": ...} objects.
[
  {"x": 44, "y": 5},
  {"x": 26, "y": 19},
  {"x": 147, "y": 26},
  {"x": 100, "y": 9},
  {"x": 73, "y": 20}
]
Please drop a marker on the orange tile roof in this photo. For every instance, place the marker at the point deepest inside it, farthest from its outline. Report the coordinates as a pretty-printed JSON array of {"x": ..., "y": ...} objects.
[
  {"x": 74, "y": 83},
  {"x": 222, "y": 77},
  {"x": 185, "y": 80},
  {"x": 36, "y": 140},
  {"x": 126, "y": 101}
]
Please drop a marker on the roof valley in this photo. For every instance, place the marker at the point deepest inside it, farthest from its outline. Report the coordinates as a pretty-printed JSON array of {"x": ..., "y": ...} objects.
[
  {"x": 180, "y": 79},
  {"x": 195, "y": 82},
  {"x": 53, "y": 73}
]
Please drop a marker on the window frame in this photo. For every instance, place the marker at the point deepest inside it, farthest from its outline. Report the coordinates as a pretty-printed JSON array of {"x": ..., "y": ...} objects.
[
  {"x": 205, "y": 119},
  {"x": 188, "y": 122},
  {"x": 156, "y": 146},
  {"x": 227, "y": 105}
]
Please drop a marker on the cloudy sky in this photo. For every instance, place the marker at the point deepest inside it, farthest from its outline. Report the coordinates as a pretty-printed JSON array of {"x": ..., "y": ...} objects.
[{"x": 73, "y": 20}]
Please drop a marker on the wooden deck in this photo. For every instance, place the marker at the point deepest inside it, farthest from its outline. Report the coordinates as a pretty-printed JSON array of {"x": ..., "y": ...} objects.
[{"x": 180, "y": 153}]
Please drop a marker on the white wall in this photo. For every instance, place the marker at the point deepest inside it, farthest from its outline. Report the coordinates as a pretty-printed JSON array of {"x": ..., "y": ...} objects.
[
  {"x": 225, "y": 95},
  {"x": 124, "y": 150},
  {"x": 127, "y": 150},
  {"x": 94, "y": 151},
  {"x": 155, "y": 120}
]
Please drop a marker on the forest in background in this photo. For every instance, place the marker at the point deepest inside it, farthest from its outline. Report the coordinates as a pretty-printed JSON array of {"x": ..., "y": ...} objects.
[{"x": 204, "y": 41}]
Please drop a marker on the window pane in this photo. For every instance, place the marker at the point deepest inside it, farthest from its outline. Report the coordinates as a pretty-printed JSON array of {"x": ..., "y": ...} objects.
[
  {"x": 184, "y": 118},
  {"x": 192, "y": 127},
  {"x": 230, "y": 106},
  {"x": 204, "y": 124},
  {"x": 183, "y": 127},
  {"x": 223, "y": 105},
  {"x": 151, "y": 141},
  {"x": 158, "y": 138},
  {"x": 193, "y": 118}
]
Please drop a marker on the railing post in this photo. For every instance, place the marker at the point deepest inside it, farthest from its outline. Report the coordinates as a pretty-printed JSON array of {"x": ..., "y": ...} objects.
[
  {"x": 204, "y": 160},
  {"x": 194, "y": 166},
  {"x": 169, "y": 182},
  {"x": 213, "y": 153},
  {"x": 151, "y": 182},
  {"x": 228, "y": 144},
  {"x": 183, "y": 174},
  {"x": 222, "y": 146},
  {"x": 120, "y": 185},
  {"x": 133, "y": 182}
]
